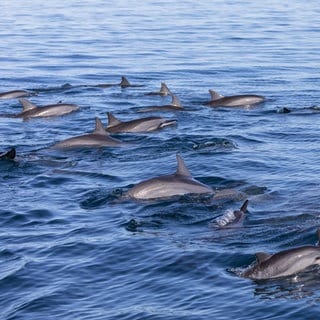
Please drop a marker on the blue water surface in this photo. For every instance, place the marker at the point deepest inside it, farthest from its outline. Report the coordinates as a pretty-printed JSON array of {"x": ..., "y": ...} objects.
[{"x": 71, "y": 246}]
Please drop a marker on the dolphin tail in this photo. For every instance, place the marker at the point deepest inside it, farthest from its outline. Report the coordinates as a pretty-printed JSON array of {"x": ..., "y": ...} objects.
[
  {"x": 112, "y": 120},
  {"x": 244, "y": 206},
  {"x": 27, "y": 105},
  {"x": 124, "y": 82},
  {"x": 215, "y": 95}
]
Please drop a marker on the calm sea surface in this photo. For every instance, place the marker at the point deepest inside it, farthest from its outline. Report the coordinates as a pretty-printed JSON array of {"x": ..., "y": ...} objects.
[{"x": 71, "y": 246}]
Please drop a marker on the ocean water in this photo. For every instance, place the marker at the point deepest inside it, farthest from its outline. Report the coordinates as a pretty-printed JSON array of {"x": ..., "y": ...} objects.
[{"x": 71, "y": 246}]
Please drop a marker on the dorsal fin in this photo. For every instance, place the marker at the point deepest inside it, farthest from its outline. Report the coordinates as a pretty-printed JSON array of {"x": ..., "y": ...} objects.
[
  {"x": 215, "y": 95},
  {"x": 181, "y": 167},
  {"x": 124, "y": 82},
  {"x": 176, "y": 102},
  {"x": 244, "y": 206},
  {"x": 164, "y": 89},
  {"x": 261, "y": 256},
  {"x": 100, "y": 128},
  {"x": 27, "y": 105},
  {"x": 112, "y": 120}
]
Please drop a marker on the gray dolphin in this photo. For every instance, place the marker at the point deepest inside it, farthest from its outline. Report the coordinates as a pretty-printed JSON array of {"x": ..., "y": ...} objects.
[
  {"x": 164, "y": 91},
  {"x": 232, "y": 218},
  {"x": 15, "y": 94},
  {"x": 283, "y": 263},
  {"x": 126, "y": 84},
  {"x": 177, "y": 184},
  {"x": 30, "y": 110},
  {"x": 137, "y": 125},
  {"x": 9, "y": 155},
  {"x": 174, "y": 106},
  {"x": 98, "y": 138},
  {"x": 243, "y": 100}
]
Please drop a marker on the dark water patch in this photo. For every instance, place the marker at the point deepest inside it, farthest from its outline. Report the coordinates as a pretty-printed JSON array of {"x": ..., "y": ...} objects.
[{"x": 97, "y": 198}]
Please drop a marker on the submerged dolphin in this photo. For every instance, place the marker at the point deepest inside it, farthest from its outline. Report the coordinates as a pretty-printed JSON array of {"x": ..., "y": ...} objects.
[
  {"x": 243, "y": 100},
  {"x": 137, "y": 125},
  {"x": 30, "y": 110},
  {"x": 174, "y": 106},
  {"x": 9, "y": 155},
  {"x": 177, "y": 184},
  {"x": 232, "y": 218},
  {"x": 15, "y": 94},
  {"x": 98, "y": 138},
  {"x": 283, "y": 263},
  {"x": 164, "y": 91}
]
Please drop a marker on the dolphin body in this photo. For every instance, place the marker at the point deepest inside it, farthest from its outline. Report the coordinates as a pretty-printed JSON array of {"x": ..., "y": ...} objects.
[
  {"x": 30, "y": 110},
  {"x": 233, "y": 218},
  {"x": 283, "y": 263},
  {"x": 174, "y": 106},
  {"x": 98, "y": 138},
  {"x": 164, "y": 91},
  {"x": 9, "y": 155},
  {"x": 137, "y": 125},
  {"x": 15, "y": 94},
  {"x": 243, "y": 100},
  {"x": 166, "y": 186}
]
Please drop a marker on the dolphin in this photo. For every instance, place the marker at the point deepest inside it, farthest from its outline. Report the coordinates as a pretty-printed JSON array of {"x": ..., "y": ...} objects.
[
  {"x": 30, "y": 110},
  {"x": 9, "y": 155},
  {"x": 174, "y": 106},
  {"x": 232, "y": 218},
  {"x": 164, "y": 91},
  {"x": 137, "y": 125},
  {"x": 166, "y": 186},
  {"x": 283, "y": 263},
  {"x": 15, "y": 94},
  {"x": 98, "y": 138},
  {"x": 244, "y": 100},
  {"x": 126, "y": 84}
]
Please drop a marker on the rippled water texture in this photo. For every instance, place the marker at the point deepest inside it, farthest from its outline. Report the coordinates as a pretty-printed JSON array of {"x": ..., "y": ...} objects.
[{"x": 72, "y": 246}]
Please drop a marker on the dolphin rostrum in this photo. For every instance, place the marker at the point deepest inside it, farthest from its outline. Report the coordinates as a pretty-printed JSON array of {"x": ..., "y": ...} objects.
[
  {"x": 30, "y": 110},
  {"x": 283, "y": 263},
  {"x": 15, "y": 94},
  {"x": 243, "y": 100},
  {"x": 177, "y": 184},
  {"x": 164, "y": 91},
  {"x": 175, "y": 105},
  {"x": 232, "y": 218},
  {"x": 98, "y": 138},
  {"x": 137, "y": 125},
  {"x": 9, "y": 155}
]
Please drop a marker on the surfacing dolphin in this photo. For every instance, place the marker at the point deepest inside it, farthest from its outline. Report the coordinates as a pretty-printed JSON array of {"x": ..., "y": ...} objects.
[
  {"x": 98, "y": 138},
  {"x": 164, "y": 91},
  {"x": 137, "y": 125},
  {"x": 126, "y": 84},
  {"x": 232, "y": 218},
  {"x": 30, "y": 110},
  {"x": 9, "y": 155},
  {"x": 284, "y": 263},
  {"x": 243, "y": 100},
  {"x": 15, "y": 94},
  {"x": 174, "y": 106},
  {"x": 166, "y": 186}
]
